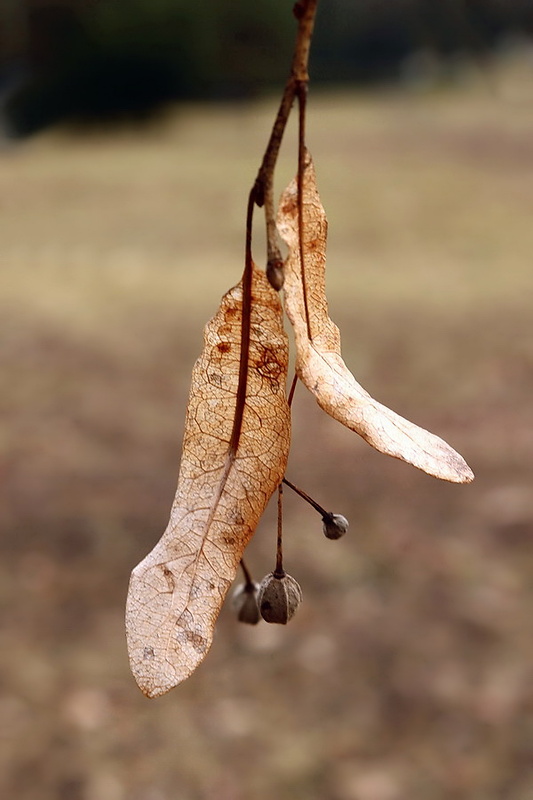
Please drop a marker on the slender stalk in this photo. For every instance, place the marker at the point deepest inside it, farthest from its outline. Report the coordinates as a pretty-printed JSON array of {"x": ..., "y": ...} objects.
[
  {"x": 302, "y": 153},
  {"x": 304, "y": 11},
  {"x": 262, "y": 194},
  {"x": 247, "y": 576},
  {"x": 292, "y": 389},
  {"x": 322, "y": 511},
  {"x": 264, "y": 182},
  {"x": 245, "y": 333},
  {"x": 279, "y": 572}
]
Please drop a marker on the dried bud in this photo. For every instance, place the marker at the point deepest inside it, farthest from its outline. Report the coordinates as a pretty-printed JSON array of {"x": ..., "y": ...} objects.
[
  {"x": 279, "y": 597},
  {"x": 275, "y": 274},
  {"x": 244, "y": 601},
  {"x": 334, "y": 525}
]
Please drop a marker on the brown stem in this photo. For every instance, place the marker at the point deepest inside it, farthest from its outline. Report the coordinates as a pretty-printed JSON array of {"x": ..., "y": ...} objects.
[
  {"x": 292, "y": 390},
  {"x": 245, "y": 332},
  {"x": 247, "y": 576},
  {"x": 264, "y": 182},
  {"x": 308, "y": 499},
  {"x": 302, "y": 155},
  {"x": 279, "y": 572},
  {"x": 304, "y": 11}
]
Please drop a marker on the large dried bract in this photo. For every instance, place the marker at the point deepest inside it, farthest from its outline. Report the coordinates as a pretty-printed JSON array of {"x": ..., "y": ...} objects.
[
  {"x": 318, "y": 358},
  {"x": 176, "y": 592}
]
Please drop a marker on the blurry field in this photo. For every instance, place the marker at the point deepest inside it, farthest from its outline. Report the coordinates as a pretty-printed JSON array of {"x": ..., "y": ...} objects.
[{"x": 408, "y": 672}]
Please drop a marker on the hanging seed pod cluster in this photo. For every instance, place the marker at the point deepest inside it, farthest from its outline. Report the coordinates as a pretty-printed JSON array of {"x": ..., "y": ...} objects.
[{"x": 238, "y": 423}]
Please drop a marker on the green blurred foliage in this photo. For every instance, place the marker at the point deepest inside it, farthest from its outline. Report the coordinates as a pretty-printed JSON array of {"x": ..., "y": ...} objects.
[
  {"x": 115, "y": 58},
  {"x": 207, "y": 43}
]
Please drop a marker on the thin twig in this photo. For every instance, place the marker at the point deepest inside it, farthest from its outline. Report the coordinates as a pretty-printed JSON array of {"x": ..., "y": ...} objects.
[
  {"x": 247, "y": 576},
  {"x": 245, "y": 333},
  {"x": 292, "y": 389},
  {"x": 304, "y": 11},
  {"x": 279, "y": 572},
  {"x": 305, "y": 496},
  {"x": 302, "y": 155}
]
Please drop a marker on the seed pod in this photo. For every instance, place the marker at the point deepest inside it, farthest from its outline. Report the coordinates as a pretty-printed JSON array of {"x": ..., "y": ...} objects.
[
  {"x": 244, "y": 601},
  {"x": 279, "y": 597},
  {"x": 334, "y": 525}
]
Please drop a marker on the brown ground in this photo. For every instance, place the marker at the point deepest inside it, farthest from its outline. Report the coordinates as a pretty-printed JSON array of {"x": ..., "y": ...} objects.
[{"x": 407, "y": 673}]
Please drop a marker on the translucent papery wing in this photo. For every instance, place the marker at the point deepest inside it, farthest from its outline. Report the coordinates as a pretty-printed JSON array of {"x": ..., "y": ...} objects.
[
  {"x": 319, "y": 363},
  {"x": 176, "y": 592}
]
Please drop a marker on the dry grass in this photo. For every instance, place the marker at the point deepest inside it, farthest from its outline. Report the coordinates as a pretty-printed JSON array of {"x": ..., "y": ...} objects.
[{"x": 407, "y": 672}]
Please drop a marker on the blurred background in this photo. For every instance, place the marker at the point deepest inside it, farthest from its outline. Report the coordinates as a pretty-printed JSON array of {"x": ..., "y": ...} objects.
[
  {"x": 131, "y": 135},
  {"x": 90, "y": 59}
]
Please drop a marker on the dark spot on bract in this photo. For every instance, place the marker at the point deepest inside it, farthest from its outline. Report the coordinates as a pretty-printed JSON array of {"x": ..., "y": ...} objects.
[
  {"x": 224, "y": 347},
  {"x": 268, "y": 366},
  {"x": 197, "y": 641},
  {"x": 169, "y": 577}
]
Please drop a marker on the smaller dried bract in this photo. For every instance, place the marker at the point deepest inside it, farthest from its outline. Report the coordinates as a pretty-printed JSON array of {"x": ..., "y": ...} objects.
[
  {"x": 279, "y": 597},
  {"x": 319, "y": 363}
]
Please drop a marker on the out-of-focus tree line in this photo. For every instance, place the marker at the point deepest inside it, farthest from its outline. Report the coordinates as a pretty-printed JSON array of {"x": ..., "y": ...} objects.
[{"x": 98, "y": 59}]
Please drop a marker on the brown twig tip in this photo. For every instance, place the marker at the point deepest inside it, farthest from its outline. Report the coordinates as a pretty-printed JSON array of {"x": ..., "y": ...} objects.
[
  {"x": 275, "y": 274},
  {"x": 258, "y": 191},
  {"x": 263, "y": 188},
  {"x": 299, "y": 9}
]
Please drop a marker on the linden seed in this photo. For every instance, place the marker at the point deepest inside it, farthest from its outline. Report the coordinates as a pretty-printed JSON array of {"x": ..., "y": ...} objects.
[
  {"x": 279, "y": 597},
  {"x": 334, "y": 525},
  {"x": 244, "y": 601}
]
